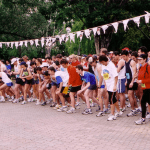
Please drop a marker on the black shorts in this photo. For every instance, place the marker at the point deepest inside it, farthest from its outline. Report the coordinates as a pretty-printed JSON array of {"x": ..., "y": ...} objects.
[
  {"x": 30, "y": 82},
  {"x": 19, "y": 81},
  {"x": 92, "y": 87},
  {"x": 49, "y": 86},
  {"x": 75, "y": 88},
  {"x": 135, "y": 86},
  {"x": 112, "y": 97}
]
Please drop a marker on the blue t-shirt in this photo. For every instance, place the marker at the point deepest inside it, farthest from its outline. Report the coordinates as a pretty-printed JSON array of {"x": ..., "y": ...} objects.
[
  {"x": 8, "y": 67},
  {"x": 89, "y": 77},
  {"x": 59, "y": 80}
]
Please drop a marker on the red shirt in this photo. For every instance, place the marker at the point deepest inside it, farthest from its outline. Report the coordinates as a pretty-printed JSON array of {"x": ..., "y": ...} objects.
[
  {"x": 144, "y": 76},
  {"x": 74, "y": 77},
  {"x": 75, "y": 63}
]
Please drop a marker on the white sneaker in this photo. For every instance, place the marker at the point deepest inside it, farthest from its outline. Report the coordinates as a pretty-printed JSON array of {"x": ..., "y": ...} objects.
[
  {"x": 57, "y": 106},
  {"x": 111, "y": 117},
  {"x": 12, "y": 98},
  {"x": 118, "y": 114},
  {"x": 100, "y": 114},
  {"x": 132, "y": 113},
  {"x": 140, "y": 121},
  {"x": 24, "y": 102},
  {"x": 2, "y": 99},
  {"x": 77, "y": 105},
  {"x": 15, "y": 101},
  {"x": 30, "y": 99},
  {"x": 72, "y": 110},
  {"x": 92, "y": 104},
  {"x": 38, "y": 102},
  {"x": 129, "y": 105},
  {"x": 148, "y": 116},
  {"x": 63, "y": 108}
]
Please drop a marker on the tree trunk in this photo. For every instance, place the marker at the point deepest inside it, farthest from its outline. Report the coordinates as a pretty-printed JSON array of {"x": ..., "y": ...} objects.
[{"x": 97, "y": 40}]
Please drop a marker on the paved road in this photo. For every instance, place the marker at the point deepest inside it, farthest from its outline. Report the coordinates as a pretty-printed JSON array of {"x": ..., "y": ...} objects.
[{"x": 31, "y": 127}]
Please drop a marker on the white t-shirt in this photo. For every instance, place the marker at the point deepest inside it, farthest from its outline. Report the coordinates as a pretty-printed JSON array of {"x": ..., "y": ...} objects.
[
  {"x": 16, "y": 68},
  {"x": 109, "y": 73},
  {"x": 121, "y": 74},
  {"x": 5, "y": 78},
  {"x": 63, "y": 75}
]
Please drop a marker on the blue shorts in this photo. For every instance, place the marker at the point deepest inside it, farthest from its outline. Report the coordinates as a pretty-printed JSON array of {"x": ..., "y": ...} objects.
[
  {"x": 102, "y": 87},
  {"x": 121, "y": 85},
  {"x": 92, "y": 87},
  {"x": 53, "y": 83},
  {"x": 36, "y": 81},
  {"x": 9, "y": 84}
]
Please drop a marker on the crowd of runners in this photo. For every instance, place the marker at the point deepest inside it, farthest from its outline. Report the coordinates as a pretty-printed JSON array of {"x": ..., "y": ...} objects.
[{"x": 106, "y": 80}]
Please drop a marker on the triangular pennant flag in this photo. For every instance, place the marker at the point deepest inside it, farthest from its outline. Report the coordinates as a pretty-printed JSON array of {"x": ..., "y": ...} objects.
[
  {"x": 63, "y": 37},
  {"x": 81, "y": 36},
  {"x": 12, "y": 44},
  {"x": 42, "y": 41},
  {"x": 8, "y": 43},
  {"x": 115, "y": 25},
  {"x": 87, "y": 33},
  {"x": 60, "y": 39},
  {"x": 137, "y": 20},
  {"x": 16, "y": 44},
  {"x": 67, "y": 38},
  {"x": 72, "y": 37},
  {"x": 25, "y": 43},
  {"x": 31, "y": 42},
  {"x": 125, "y": 22},
  {"x": 1, "y": 45},
  {"x": 50, "y": 43},
  {"x": 47, "y": 41},
  {"x": 147, "y": 18},
  {"x": 98, "y": 31},
  {"x": 104, "y": 28},
  {"x": 95, "y": 30},
  {"x": 78, "y": 33},
  {"x": 53, "y": 40},
  {"x": 21, "y": 43},
  {"x": 36, "y": 42}
]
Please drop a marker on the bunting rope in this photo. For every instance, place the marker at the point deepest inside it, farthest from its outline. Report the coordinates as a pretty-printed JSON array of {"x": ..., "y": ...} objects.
[{"x": 48, "y": 41}]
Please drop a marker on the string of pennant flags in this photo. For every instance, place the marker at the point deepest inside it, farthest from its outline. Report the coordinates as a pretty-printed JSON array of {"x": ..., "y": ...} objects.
[{"x": 48, "y": 41}]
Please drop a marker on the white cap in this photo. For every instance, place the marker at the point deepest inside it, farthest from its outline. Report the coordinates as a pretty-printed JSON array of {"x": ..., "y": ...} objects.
[
  {"x": 13, "y": 60},
  {"x": 44, "y": 64},
  {"x": 90, "y": 60}
]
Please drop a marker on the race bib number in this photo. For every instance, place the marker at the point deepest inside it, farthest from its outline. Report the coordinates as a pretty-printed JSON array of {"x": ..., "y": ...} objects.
[
  {"x": 26, "y": 73},
  {"x": 143, "y": 85},
  {"x": 106, "y": 74},
  {"x": 128, "y": 75}
]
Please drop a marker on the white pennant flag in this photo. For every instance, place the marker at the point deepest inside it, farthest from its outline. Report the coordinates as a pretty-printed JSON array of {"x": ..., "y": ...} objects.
[
  {"x": 87, "y": 33},
  {"x": 8, "y": 43},
  {"x": 16, "y": 44},
  {"x": 0, "y": 45},
  {"x": 147, "y": 18},
  {"x": 78, "y": 33},
  {"x": 25, "y": 43},
  {"x": 125, "y": 22},
  {"x": 72, "y": 37},
  {"x": 81, "y": 36},
  {"x": 115, "y": 25},
  {"x": 50, "y": 43},
  {"x": 63, "y": 37},
  {"x": 21, "y": 43},
  {"x": 98, "y": 31},
  {"x": 95, "y": 30},
  {"x": 31, "y": 42},
  {"x": 42, "y": 41},
  {"x": 53, "y": 40},
  {"x": 137, "y": 20},
  {"x": 47, "y": 41},
  {"x": 60, "y": 39},
  {"x": 104, "y": 28},
  {"x": 67, "y": 38},
  {"x": 12, "y": 44},
  {"x": 36, "y": 42}
]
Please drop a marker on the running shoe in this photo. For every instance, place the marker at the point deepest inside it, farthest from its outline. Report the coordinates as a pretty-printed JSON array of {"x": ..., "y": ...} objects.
[
  {"x": 111, "y": 117},
  {"x": 15, "y": 101},
  {"x": 129, "y": 105},
  {"x": 106, "y": 111},
  {"x": 57, "y": 106},
  {"x": 100, "y": 114},
  {"x": 12, "y": 97},
  {"x": 98, "y": 109},
  {"x": 140, "y": 121},
  {"x": 38, "y": 102},
  {"x": 118, "y": 114},
  {"x": 53, "y": 104},
  {"x": 148, "y": 116},
  {"x": 77, "y": 105},
  {"x": 63, "y": 108},
  {"x": 43, "y": 104},
  {"x": 30, "y": 99},
  {"x": 24, "y": 102},
  {"x": 71, "y": 110},
  {"x": 132, "y": 113},
  {"x": 87, "y": 111},
  {"x": 92, "y": 104},
  {"x": 2, "y": 99}
]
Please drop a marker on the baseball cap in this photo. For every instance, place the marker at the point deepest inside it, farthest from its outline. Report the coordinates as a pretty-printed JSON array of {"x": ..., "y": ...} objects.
[
  {"x": 126, "y": 48},
  {"x": 44, "y": 64},
  {"x": 23, "y": 63},
  {"x": 13, "y": 60},
  {"x": 142, "y": 56}
]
